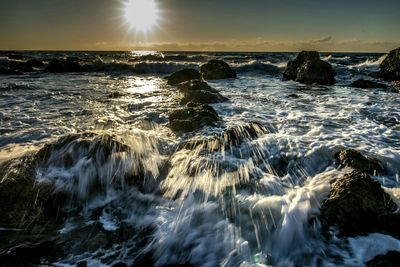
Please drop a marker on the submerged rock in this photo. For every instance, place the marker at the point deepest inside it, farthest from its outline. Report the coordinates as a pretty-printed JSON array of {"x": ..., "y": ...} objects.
[
  {"x": 35, "y": 63},
  {"x": 62, "y": 65},
  {"x": 183, "y": 76},
  {"x": 216, "y": 70},
  {"x": 199, "y": 92},
  {"x": 192, "y": 118},
  {"x": 390, "y": 66},
  {"x": 355, "y": 203},
  {"x": 9, "y": 71},
  {"x": 367, "y": 84},
  {"x": 307, "y": 67},
  {"x": 354, "y": 159}
]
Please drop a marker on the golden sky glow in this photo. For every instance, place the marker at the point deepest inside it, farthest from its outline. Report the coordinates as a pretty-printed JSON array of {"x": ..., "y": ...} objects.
[{"x": 254, "y": 25}]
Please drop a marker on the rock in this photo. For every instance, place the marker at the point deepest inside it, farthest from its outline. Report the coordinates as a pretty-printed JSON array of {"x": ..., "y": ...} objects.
[
  {"x": 233, "y": 136},
  {"x": 355, "y": 203},
  {"x": 62, "y": 65},
  {"x": 367, "y": 84},
  {"x": 354, "y": 159},
  {"x": 31, "y": 255},
  {"x": 388, "y": 223},
  {"x": 116, "y": 95},
  {"x": 390, "y": 66},
  {"x": 308, "y": 68},
  {"x": 16, "y": 57},
  {"x": 217, "y": 69},
  {"x": 183, "y": 76},
  {"x": 199, "y": 92},
  {"x": 8, "y": 71},
  {"x": 35, "y": 63},
  {"x": 24, "y": 201},
  {"x": 192, "y": 118},
  {"x": 390, "y": 259}
]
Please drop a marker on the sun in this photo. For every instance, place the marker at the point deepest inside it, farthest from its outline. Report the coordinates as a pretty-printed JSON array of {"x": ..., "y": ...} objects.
[{"x": 141, "y": 15}]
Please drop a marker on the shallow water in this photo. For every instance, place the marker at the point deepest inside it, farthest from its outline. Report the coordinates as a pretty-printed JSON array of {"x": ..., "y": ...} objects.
[{"x": 245, "y": 205}]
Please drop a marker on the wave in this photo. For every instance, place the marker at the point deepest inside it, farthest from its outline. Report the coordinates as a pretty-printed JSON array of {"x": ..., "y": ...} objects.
[
  {"x": 370, "y": 63},
  {"x": 139, "y": 68},
  {"x": 260, "y": 67}
]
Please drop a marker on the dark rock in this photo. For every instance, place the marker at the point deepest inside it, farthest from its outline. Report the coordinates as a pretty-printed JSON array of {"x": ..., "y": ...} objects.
[
  {"x": 354, "y": 159},
  {"x": 119, "y": 264},
  {"x": 388, "y": 223},
  {"x": 217, "y": 69},
  {"x": 35, "y": 63},
  {"x": 30, "y": 255},
  {"x": 186, "y": 264},
  {"x": 307, "y": 67},
  {"x": 233, "y": 136},
  {"x": 116, "y": 95},
  {"x": 355, "y": 203},
  {"x": 192, "y": 118},
  {"x": 199, "y": 92},
  {"x": 390, "y": 66},
  {"x": 24, "y": 201},
  {"x": 367, "y": 84},
  {"x": 293, "y": 96},
  {"x": 62, "y": 65},
  {"x": 183, "y": 76},
  {"x": 16, "y": 57},
  {"x": 8, "y": 71},
  {"x": 81, "y": 264},
  {"x": 390, "y": 259}
]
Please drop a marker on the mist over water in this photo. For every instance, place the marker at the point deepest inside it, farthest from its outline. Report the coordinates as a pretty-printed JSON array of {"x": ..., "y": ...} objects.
[{"x": 138, "y": 191}]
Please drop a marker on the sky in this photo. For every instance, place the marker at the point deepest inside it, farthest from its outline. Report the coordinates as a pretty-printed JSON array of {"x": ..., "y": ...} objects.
[{"x": 200, "y": 25}]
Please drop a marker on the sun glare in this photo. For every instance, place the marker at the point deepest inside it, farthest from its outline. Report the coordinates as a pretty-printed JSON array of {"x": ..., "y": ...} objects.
[{"x": 141, "y": 15}]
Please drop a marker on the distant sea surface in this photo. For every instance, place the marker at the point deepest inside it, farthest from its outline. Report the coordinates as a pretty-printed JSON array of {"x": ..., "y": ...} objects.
[{"x": 125, "y": 94}]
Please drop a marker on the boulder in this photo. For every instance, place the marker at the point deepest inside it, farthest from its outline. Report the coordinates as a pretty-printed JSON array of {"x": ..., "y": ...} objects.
[
  {"x": 24, "y": 201},
  {"x": 9, "y": 71},
  {"x": 390, "y": 66},
  {"x": 367, "y": 84},
  {"x": 355, "y": 203},
  {"x": 62, "y": 65},
  {"x": 354, "y": 159},
  {"x": 200, "y": 92},
  {"x": 216, "y": 70},
  {"x": 192, "y": 118},
  {"x": 308, "y": 68},
  {"x": 233, "y": 136},
  {"x": 183, "y": 76}
]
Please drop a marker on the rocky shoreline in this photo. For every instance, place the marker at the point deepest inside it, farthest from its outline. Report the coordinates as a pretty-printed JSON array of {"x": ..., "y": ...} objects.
[{"x": 356, "y": 204}]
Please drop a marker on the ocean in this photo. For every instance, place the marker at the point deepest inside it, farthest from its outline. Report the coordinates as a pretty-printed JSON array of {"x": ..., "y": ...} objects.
[{"x": 251, "y": 204}]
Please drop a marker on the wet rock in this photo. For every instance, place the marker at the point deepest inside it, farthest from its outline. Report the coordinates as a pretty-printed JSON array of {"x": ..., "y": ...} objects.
[
  {"x": 16, "y": 57},
  {"x": 62, "y": 65},
  {"x": 308, "y": 68},
  {"x": 390, "y": 259},
  {"x": 354, "y": 159},
  {"x": 116, "y": 95},
  {"x": 35, "y": 63},
  {"x": 367, "y": 84},
  {"x": 388, "y": 223},
  {"x": 355, "y": 203},
  {"x": 217, "y": 69},
  {"x": 390, "y": 66},
  {"x": 9, "y": 71},
  {"x": 30, "y": 255},
  {"x": 199, "y": 92},
  {"x": 192, "y": 118},
  {"x": 24, "y": 201},
  {"x": 233, "y": 136},
  {"x": 183, "y": 76}
]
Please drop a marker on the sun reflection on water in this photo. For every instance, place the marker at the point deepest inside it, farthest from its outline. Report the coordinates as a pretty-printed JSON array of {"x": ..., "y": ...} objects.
[{"x": 143, "y": 85}]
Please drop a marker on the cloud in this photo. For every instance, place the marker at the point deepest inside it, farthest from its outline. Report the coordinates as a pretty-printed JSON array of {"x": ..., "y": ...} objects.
[{"x": 323, "y": 40}]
